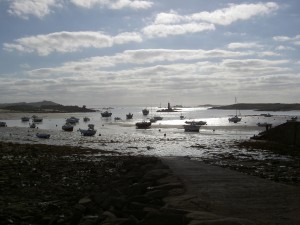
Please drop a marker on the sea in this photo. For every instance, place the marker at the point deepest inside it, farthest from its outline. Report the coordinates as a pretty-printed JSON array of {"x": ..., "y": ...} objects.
[{"x": 165, "y": 137}]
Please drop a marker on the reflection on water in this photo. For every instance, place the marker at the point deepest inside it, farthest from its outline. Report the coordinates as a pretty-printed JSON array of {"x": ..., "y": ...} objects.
[{"x": 165, "y": 138}]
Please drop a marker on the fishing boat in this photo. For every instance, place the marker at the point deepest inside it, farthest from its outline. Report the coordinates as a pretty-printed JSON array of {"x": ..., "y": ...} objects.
[
  {"x": 129, "y": 116},
  {"x": 143, "y": 125},
  {"x": 68, "y": 127},
  {"x": 191, "y": 127},
  {"x": 145, "y": 112},
  {"x": 43, "y": 135}
]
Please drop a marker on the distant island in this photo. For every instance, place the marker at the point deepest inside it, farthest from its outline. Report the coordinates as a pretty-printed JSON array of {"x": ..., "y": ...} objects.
[
  {"x": 43, "y": 107},
  {"x": 261, "y": 106}
]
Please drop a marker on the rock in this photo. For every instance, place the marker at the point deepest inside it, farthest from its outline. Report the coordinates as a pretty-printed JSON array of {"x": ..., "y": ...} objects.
[
  {"x": 225, "y": 221},
  {"x": 158, "y": 218}
]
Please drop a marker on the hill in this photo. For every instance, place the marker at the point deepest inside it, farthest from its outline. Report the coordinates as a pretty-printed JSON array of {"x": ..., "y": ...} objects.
[
  {"x": 261, "y": 106},
  {"x": 44, "y": 106}
]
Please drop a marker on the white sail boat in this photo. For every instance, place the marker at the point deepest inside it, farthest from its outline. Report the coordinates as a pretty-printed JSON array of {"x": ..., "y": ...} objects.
[{"x": 235, "y": 118}]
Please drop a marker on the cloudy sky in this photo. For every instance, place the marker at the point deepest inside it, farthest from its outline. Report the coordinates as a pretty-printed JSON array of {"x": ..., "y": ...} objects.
[{"x": 147, "y": 52}]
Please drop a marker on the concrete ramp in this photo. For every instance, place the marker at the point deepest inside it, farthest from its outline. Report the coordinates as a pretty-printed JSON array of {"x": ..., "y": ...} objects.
[{"x": 233, "y": 194}]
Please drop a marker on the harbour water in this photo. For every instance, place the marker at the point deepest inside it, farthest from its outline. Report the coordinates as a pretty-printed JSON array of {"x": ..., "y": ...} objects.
[{"x": 165, "y": 137}]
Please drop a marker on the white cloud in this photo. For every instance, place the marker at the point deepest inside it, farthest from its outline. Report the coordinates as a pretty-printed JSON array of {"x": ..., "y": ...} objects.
[
  {"x": 164, "y": 30},
  {"x": 37, "y": 8},
  {"x": 294, "y": 40},
  {"x": 234, "y": 13},
  {"x": 174, "y": 24},
  {"x": 114, "y": 4},
  {"x": 244, "y": 45},
  {"x": 64, "y": 42}
]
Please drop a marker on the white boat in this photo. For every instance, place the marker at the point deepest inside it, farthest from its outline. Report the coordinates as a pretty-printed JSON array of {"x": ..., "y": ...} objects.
[
  {"x": 192, "y": 127},
  {"x": 235, "y": 118}
]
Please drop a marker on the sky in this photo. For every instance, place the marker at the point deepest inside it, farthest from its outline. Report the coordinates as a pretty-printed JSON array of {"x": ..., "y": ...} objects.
[{"x": 149, "y": 52}]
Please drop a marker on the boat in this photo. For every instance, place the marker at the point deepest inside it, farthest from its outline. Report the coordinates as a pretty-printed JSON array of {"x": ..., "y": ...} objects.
[
  {"x": 235, "y": 118},
  {"x": 32, "y": 125},
  {"x": 3, "y": 124},
  {"x": 86, "y": 119},
  {"x": 266, "y": 114},
  {"x": 182, "y": 117},
  {"x": 153, "y": 120},
  {"x": 129, "y": 116},
  {"x": 43, "y": 135},
  {"x": 68, "y": 127},
  {"x": 25, "y": 119},
  {"x": 264, "y": 124},
  {"x": 106, "y": 114},
  {"x": 145, "y": 112},
  {"x": 143, "y": 125},
  {"x": 88, "y": 132},
  {"x": 196, "y": 122},
  {"x": 191, "y": 127},
  {"x": 117, "y": 118},
  {"x": 37, "y": 119},
  {"x": 157, "y": 117}
]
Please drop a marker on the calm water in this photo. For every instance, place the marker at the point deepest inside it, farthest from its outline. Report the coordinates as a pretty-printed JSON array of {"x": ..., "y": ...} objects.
[{"x": 164, "y": 138}]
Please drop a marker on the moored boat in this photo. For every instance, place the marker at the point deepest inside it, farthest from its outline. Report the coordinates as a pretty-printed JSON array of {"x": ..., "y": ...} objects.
[
  {"x": 106, "y": 114},
  {"x": 68, "y": 127},
  {"x": 43, "y": 135},
  {"x": 143, "y": 125},
  {"x": 129, "y": 116},
  {"x": 88, "y": 132},
  {"x": 86, "y": 119},
  {"x": 37, "y": 119},
  {"x": 234, "y": 119},
  {"x": 25, "y": 119},
  {"x": 145, "y": 112},
  {"x": 192, "y": 127},
  {"x": 196, "y": 122},
  {"x": 3, "y": 124}
]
